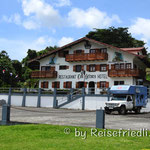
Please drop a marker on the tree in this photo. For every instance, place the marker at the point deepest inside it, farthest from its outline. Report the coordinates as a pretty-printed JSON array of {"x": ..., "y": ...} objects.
[
  {"x": 119, "y": 37},
  {"x": 7, "y": 71},
  {"x": 18, "y": 67}
]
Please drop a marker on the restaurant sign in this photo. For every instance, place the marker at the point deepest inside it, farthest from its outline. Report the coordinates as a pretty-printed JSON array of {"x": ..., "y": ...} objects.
[{"x": 82, "y": 76}]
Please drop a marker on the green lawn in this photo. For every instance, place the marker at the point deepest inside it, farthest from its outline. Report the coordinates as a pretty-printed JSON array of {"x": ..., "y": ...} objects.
[{"x": 52, "y": 137}]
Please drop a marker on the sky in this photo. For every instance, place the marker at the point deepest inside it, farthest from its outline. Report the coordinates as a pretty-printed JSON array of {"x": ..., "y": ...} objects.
[{"x": 36, "y": 24}]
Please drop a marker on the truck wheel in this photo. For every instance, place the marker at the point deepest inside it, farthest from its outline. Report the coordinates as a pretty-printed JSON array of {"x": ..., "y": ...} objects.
[
  {"x": 122, "y": 110},
  {"x": 107, "y": 111},
  {"x": 137, "y": 111}
]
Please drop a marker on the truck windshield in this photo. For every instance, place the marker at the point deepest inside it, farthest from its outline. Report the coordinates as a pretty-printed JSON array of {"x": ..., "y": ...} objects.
[{"x": 118, "y": 97}]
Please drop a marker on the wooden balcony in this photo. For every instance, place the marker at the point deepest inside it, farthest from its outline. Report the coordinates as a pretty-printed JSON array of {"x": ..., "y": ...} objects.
[
  {"x": 86, "y": 57},
  {"x": 44, "y": 74},
  {"x": 124, "y": 73}
]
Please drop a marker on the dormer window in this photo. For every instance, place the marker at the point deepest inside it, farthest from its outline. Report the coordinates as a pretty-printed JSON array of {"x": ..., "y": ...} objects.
[{"x": 103, "y": 50}]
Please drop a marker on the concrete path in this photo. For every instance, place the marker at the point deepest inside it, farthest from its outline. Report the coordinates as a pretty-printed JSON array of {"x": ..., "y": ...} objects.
[{"x": 78, "y": 118}]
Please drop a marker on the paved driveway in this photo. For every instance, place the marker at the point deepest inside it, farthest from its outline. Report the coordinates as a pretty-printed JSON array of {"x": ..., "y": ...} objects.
[{"x": 78, "y": 118}]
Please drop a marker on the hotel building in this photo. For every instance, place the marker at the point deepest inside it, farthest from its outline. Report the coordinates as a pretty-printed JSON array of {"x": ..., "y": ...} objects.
[{"x": 90, "y": 64}]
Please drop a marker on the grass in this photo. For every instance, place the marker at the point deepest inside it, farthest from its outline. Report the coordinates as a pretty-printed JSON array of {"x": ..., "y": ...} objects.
[{"x": 52, "y": 137}]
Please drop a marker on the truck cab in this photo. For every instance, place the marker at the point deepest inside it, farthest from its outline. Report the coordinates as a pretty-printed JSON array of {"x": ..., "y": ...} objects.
[{"x": 126, "y": 98}]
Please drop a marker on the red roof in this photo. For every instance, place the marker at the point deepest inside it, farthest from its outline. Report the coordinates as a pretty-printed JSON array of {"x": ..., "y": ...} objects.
[{"x": 90, "y": 40}]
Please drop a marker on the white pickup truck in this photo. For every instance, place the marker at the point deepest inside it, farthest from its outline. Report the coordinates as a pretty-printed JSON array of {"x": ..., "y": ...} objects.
[{"x": 126, "y": 98}]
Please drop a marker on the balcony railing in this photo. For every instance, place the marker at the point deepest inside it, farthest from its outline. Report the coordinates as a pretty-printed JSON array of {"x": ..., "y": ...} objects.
[
  {"x": 44, "y": 74},
  {"x": 86, "y": 57},
  {"x": 124, "y": 73}
]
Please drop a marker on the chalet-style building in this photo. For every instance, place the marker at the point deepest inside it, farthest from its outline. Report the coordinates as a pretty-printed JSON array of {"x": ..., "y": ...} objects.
[{"x": 90, "y": 64}]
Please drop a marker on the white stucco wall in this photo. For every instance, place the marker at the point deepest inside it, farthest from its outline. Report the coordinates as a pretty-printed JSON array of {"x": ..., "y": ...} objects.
[
  {"x": 91, "y": 102},
  {"x": 128, "y": 58},
  {"x": 16, "y": 100},
  {"x": 4, "y": 97},
  {"x": 47, "y": 101},
  {"x": 31, "y": 101}
]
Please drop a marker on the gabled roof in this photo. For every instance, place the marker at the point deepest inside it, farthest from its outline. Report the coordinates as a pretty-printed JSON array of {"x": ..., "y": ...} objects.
[
  {"x": 137, "y": 49},
  {"x": 79, "y": 41}
]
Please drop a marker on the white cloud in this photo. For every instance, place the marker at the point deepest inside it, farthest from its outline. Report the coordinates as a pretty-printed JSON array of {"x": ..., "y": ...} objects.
[
  {"x": 17, "y": 49},
  {"x": 15, "y": 18},
  {"x": 92, "y": 18},
  {"x": 65, "y": 40},
  {"x": 41, "y": 13},
  {"x": 29, "y": 24},
  {"x": 141, "y": 27},
  {"x": 62, "y": 3}
]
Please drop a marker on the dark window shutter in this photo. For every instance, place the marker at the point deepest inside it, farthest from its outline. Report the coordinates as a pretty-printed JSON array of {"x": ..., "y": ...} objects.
[
  {"x": 98, "y": 84},
  {"x": 53, "y": 84},
  {"x": 67, "y": 67},
  {"x": 107, "y": 67},
  {"x": 87, "y": 68},
  {"x": 74, "y": 68},
  {"x": 107, "y": 84},
  {"x": 77, "y": 85},
  {"x": 97, "y": 67},
  {"x": 58, "y": 84},
  {"x": 82, "y": 51},
  {"x": 53, "y": 68},
  {"x": 46, "y": 84},
  {"x": 42, "y": 84},
  {"x": 85, "y": 84},
  {"x": 74, "y": 52},
  {"x": 112, "y": 66},
  {"x": 82, "y": 68},
  {"x": 70, "y": 84},
  {"x": 64, "y": 84}
]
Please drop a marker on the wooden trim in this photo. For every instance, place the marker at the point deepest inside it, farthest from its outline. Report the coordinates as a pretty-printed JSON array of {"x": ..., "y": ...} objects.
[
  {"x": 97, "y": 67},
  {"x": 74, "y": 68},
  {"x": 58, "y": 84},
  {"x": 52, "y": 68},
  {"x": 107, "y": 67},
  {"x": 107, "y": 84},
  {"x": 98, "y": 84},
  {"x": 42, "y": 84},
  {"x": 85, "y": 84},
  {"x": 82, "y": 67},
  {"x": 87, "y": 67},
  {"x": 112, "y": 66},
  {"x": 77, "y": 84},
  {"x": 53, "y": 84},
  {"x": 64, "y": 84}
]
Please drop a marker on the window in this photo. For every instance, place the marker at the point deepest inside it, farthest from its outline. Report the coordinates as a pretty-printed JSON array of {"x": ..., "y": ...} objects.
[
  {"x": 103, "y": 50},
  {"x": 92, "y": 50},
  {"x": 78, "y": 51},
  {"x": 78, "y": 68},
  {"x": 45, "y": 68},
  {"x": 92, "y": 68},
  {"x": 44, "y": 84},
  {"x": 56, "y": 84},
  {"x": 122, "y": 66},
  {"x": 102, "y": 84},
  {"x": 117, "y": 66},
  {"x": 118, "y": 82},
  {"x": 65, "y": 53},
  {"x": 128, "y": 66},
  {"x": 68, "y": 84},
  {"x": 103, "y": 67},
  {"x": 63, "y": 67},
  {"x": 81, "y": 84}
]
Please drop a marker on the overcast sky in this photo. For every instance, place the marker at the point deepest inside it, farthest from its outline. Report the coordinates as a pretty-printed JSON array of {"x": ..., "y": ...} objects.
[{"x": 35, "y": 24}]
